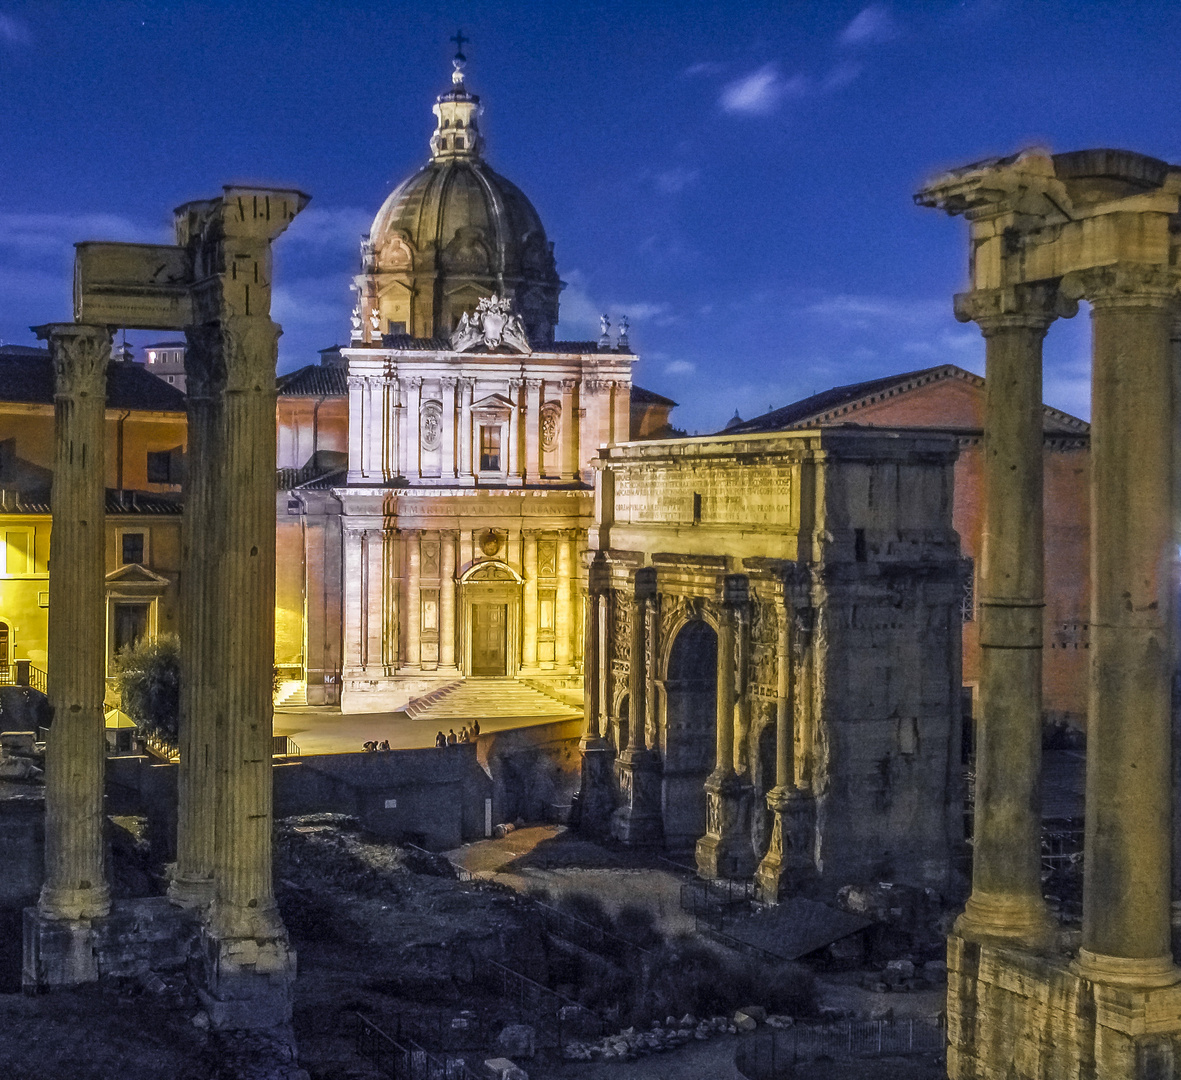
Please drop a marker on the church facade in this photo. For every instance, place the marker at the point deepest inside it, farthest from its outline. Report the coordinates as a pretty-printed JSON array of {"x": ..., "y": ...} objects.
[{"x": 431, "y": 530}]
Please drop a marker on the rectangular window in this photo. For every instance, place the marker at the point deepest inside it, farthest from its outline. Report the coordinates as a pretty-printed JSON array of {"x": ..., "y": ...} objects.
[
  {"x": 397, "y": 327},
  {"x": 18, "y": 547},
  {"x": 159, "y": 469},
  {"x": 133, "y": 547},
  {"x": 430, "y": 610},
  {"x": 490, "y": 448},
  {"x": 545, "y": 603},
  {"x": 131, "y": 625}
]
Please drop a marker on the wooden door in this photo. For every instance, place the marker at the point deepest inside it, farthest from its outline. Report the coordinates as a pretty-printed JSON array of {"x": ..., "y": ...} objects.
[{"x": 489, "y": 639}]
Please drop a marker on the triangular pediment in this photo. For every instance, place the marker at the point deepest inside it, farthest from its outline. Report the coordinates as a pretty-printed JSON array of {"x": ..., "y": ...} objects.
[
  {"x": 492, "y": 401},
  {"x": 135, "y": 574}
]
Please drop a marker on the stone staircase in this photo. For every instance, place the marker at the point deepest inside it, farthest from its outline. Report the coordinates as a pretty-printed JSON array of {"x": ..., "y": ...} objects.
[
  {"x": 291, "y": 692},
  {"x": 489, "y": 697}
]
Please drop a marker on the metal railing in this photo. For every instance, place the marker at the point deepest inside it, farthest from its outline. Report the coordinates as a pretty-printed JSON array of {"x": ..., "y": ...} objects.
[
  {"x": 711, "y": 901},
  {"x": 586, "y": 935},
  {"x": 555, "y": 1018},
  {"x": 22, "y": 673},
  {"x": 284, "y": 746},
  {"x": 161, "y": 747},
  {"x": 404, "y": 1059},
  {"x": 775, "y": 1054}
]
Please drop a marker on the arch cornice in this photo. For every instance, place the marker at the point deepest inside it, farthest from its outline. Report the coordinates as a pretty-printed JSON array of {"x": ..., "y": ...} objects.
[{"x": 488, "y": 571}]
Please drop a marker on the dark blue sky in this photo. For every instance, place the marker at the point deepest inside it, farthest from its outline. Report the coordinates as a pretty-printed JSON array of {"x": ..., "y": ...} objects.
[{"x": 737, "y": 178}]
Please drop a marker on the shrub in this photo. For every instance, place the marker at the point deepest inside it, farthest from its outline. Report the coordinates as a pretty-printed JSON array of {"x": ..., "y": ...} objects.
[
  {"x": 147, "y": 675},
  {"x": 586, "y": 907},
  {"x": 636, "y": 924}
]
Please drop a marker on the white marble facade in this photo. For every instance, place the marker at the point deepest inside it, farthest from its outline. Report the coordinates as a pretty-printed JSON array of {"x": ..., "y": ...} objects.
[{"x": 466, "y": 510}]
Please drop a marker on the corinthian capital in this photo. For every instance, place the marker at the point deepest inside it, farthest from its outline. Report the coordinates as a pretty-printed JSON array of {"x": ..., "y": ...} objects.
[
  {"x": 1031, "y": 306},
  {"x": 80, "y": 355},
  {"x": 1125, "y": 284}
]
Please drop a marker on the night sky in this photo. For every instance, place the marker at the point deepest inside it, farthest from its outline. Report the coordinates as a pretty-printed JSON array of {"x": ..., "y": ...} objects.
[{"x": 736, "y": 178}]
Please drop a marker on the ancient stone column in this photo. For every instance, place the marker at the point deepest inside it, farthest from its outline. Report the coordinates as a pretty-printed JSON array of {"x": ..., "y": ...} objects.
[
  {"x": 1127, "y": 874},
  {"x": 412, "y": 554},
  {"x": 595, "y": 794},
  {"x": 725, "y": 849},
  {"x": 193, "y": 882},
  {"x": 1006, "y": 900},
  {"x": 447, "y": 601},
  {"x": 563, "y": 619},
  {"x": 75, "y": 888},
  {"x": 638, "y": 819},
  {"x": 529, "y": 614}
]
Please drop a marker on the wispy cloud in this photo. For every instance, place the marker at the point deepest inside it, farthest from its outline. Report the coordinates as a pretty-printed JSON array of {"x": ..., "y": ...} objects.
[
  {"x": 39, "y": 235},
  {"x": 13, "y": 31},
  {"x": 674, "y": 181},
  {"x": 580, "y": 310},
  {"x": 852, "y": 311},
  {"x": 761, "y": 91},
  {"x": 329, "y": 227},
  {"x": 680, "y": 367},
  {"x": 840, "y": 76},
  {"x": 704, "y": 68},
  {"x": 871, "y": 26}
]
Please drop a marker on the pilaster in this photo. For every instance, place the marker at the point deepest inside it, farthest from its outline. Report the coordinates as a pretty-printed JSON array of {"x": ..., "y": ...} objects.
[
  {"x": 532, "y": 421},
  {"x": 529, "y": 612},
  {"x": 447, "y": 602}
]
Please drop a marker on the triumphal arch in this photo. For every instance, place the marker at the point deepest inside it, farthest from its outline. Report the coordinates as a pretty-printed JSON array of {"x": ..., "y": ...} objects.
[
  {"x": 1026, "y": 998},
  {"x": 773, "y": 656},
  {"x": 215, "y": 284}
]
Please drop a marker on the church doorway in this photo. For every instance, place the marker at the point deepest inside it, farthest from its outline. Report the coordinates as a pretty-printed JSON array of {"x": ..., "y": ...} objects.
[
  {"x": 690, "y": 732},
  {"x": 489, "y": 639}
]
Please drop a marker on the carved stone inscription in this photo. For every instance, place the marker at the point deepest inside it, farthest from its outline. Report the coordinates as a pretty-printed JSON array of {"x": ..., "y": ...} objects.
[{"x": 667, "y": 495}]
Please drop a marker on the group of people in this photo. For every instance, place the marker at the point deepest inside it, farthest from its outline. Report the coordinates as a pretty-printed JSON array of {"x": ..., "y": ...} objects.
[
  {"x": 372, "y": 746},
  {"x": 466, "y": 735}
]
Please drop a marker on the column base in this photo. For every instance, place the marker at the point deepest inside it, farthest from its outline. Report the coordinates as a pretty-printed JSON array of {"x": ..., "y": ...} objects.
[
  {"x": 725, "y": 850},
  {"x": 57, "y": 952},
  {"x": 1151, "y": 972},
  {"x": 1013, "y": 920},
  {"x": 192, "y": 894},
  {"x": 638, "y": 821},
  {"x": 1018, "y": 1013},
  {"x": 246, "y": 982},
  {"x": 596, "y": 792},
  {"x": 788, "y": 862}
]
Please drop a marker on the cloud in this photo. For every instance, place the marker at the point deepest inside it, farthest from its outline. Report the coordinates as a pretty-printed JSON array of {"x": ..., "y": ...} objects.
[
  {"x": 579, "y": 311},
  {"x": 851, "y": 311},
  {"x": 13, "y": 31},
  {"x": 840, "y": 76},
  {"x": 329, "y": 227},
  {"x": 40, "y": 235},
  {"x": 680, "y": 367},
  {"x": 871, "y": 26},
  {"x": 761, "y": 92},
  {"x": 703, "y": 69},
  {"x": 674, "y": 181}
]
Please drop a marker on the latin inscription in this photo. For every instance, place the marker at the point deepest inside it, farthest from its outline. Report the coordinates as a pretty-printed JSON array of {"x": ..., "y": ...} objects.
[{"x": 759, "y": 495}]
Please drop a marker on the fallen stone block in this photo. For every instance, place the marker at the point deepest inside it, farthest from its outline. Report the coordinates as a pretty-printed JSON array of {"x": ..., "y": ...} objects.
[
  {"x": 503, "y": 1069},
  {"x": 517, "y": 1041}
]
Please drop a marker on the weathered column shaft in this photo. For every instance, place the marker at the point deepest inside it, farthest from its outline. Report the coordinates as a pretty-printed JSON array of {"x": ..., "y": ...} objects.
[
  {"x": 199, "y": 746},
  {"x": 245, "y": 592},
  {"x": 1006, "y": 895},
  {"x": 590, "y": 668},
  {"x": 563, "y": 620},
  {"x": 637, "y": 691},
  {"x": 413, "y": 621},
  {"x": 1129, "y": 803},
  {"x": 447, "y": 601},
  {"x": 529, "y": 615},
  {"x": 75, "y": 883},
  {"x": 784, "y": 735},
  {"x": 724, "y": 764}
]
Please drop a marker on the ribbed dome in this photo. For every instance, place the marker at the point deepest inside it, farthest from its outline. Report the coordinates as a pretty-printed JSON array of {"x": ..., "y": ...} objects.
[{"x": 455, "y": 231}]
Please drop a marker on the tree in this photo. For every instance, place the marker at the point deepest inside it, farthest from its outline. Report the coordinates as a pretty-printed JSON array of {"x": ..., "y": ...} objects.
[{"x": 147, "y": 675}]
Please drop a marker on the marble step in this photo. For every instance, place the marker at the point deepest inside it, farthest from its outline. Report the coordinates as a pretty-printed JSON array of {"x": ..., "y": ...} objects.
[{"x": 491, "y": 697}]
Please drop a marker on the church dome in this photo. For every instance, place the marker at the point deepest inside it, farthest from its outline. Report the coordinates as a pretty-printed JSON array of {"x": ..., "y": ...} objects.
[{"x": 456, "y": 231}]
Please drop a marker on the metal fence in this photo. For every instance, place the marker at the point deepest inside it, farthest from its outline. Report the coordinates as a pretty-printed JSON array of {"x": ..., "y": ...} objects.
[
  {"x": 775, "y": 1054},
  {"x": 284, "y": 746},
  {"x": 587, "y": 935},
  {"x": 404, "y": 1059},
  {"x": 23, "y": 673},
  {"x": 555, "y": 1018},
  {"x": 711, "y": 901}
]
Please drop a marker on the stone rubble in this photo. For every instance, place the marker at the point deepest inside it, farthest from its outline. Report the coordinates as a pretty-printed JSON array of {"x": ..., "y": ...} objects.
[{"x": 630, "y": 1044}]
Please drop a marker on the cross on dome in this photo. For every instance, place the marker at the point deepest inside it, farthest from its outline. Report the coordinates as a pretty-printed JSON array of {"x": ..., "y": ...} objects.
[{"x": 456, "y": 132}]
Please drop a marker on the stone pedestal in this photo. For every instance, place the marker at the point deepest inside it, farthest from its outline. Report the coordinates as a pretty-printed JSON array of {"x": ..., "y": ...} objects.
[
  {"x": 788, "y": 862},
  {"x": 596, "y": 793},
  {"x": 247, "y": 982},
  {"x": 725, "y": 850},
  {"x": 637, "y": 821},
  {"x": 57, "y": 952},
  {"x": 1016, "y": 1013}
]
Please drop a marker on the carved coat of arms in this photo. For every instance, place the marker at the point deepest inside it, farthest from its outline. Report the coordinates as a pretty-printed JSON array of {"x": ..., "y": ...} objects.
[{"x": 493, "y": 324}]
